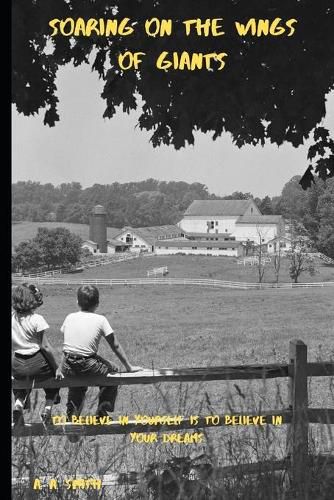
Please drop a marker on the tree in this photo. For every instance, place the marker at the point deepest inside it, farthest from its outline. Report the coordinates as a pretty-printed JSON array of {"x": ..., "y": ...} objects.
[
  {"x": 298, "y": 255},
  {"x": 325, "y": 212},
  {"x": 277, "y": 258},
  {"x": 59, "y": 247},
  {"x": 266, "y": 207},
  {"x": 27, "y": 256},
  {"x": 238, "y": 195},
  {"x": 323, "y": 151},
  {"x": 260, "y": 252},
  {"x": 262, "y": 94}
]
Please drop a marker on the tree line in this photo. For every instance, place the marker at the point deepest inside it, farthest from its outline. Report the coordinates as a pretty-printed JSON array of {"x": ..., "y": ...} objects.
[{"x": 152, "y": 202}]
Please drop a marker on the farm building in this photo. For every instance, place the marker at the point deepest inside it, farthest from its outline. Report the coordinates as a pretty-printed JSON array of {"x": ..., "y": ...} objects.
[
  {"x": 144, "y": 238},
  {"x": 113, "y": 246},
  {"x": 199, "y": 247},
  {"x": 282, "y": 242},
  {"x": 238, "y": 219}
]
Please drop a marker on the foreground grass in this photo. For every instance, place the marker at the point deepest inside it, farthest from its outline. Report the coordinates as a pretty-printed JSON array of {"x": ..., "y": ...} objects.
[{"x": 184, "y": 327}]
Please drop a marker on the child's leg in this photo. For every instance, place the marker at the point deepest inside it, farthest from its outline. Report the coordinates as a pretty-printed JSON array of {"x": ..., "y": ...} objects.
[
  {"x": 108, "y": 394},
  {"x": 75, "y": 400},
  {"x": 51, "y": 397},
  {"x": 107, "y": 398},
  {"x": 97, "y": 366},
  {"x": 20, "y": 396}
]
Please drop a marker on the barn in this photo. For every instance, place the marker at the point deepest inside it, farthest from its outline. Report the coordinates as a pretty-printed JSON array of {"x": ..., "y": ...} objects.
[
  {"x": 228, "y": 248},
  {"x": 235, "y": 219}
]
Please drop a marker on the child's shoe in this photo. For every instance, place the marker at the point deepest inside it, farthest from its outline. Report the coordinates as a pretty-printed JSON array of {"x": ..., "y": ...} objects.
[{"x": 46, "y": 416}]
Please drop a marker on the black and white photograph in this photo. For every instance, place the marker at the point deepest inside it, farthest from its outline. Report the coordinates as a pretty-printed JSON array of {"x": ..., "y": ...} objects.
[{"x": 172, "y": 250}]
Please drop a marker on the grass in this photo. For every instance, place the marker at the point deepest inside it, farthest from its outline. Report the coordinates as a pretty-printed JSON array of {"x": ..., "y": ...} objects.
[
  {"x": 190, "y": 266},
  {"x": 26, "y": 230},
  {"x": 189, "y": 326}
]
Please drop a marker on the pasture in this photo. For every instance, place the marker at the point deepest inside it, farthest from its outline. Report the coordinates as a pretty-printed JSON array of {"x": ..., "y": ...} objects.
[
  {"x": 26, "y": 230},
  {"x": 190, "y": 266},
  {"x": 174, "y": 327},
  {"x": 177, "y": 326}
]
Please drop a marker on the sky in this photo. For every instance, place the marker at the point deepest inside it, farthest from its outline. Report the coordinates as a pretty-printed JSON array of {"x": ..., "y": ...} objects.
[{"x": 85, "y": 147}]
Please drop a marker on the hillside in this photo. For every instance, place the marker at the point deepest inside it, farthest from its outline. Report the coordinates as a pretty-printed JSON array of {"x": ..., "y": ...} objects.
[{"x": 26, "y": 230}]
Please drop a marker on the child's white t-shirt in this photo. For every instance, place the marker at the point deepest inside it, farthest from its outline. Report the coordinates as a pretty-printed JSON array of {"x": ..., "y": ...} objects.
[
  {"x": 82, "y": 332},
  {"x": 26, "y": 332}
]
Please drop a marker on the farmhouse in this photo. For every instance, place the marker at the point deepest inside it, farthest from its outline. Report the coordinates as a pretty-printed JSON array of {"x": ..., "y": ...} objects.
[
  {"x": 144, "y": 238},
  {"x": 279, "y": 242},
  {"x": 113, "y": 246},
  {"x": 235, "y": 219}
]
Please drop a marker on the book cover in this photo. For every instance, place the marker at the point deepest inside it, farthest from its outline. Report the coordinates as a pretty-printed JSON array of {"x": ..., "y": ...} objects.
[{"x": 173, "y": 249}]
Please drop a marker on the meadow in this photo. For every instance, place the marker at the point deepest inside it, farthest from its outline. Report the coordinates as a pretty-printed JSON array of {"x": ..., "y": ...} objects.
[
  {"x": 26, "y": 230},
  {"x": 191, "y": 266},
  {"x": 186, "y": 326}
]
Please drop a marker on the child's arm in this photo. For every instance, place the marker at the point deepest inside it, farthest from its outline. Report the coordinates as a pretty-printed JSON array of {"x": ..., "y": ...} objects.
[
  {"x": 48, "y": 352},
  {"x": 118, "y": 350}
]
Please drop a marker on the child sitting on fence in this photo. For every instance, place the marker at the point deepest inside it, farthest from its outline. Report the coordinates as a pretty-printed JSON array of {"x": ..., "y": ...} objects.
[
  {"x": 33, "y": 355},
  {"x": 82, "y": 333}
]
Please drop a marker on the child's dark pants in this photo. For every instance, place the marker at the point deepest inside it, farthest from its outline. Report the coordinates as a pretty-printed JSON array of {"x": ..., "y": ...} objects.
[
  {"x": 33, "y": 366},
  {"x": 93, "y": 365}
]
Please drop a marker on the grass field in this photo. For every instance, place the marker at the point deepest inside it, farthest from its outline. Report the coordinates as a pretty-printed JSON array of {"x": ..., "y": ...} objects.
[
  {"x": 189, "y": 266},
  {"x": 188, "y": 327},
  {"x": 177, "y": 326},
  {"x": 26, "y": 230}
]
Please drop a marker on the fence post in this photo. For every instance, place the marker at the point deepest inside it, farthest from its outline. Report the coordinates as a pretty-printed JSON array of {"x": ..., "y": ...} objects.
[{"x": 298, "y": 432}]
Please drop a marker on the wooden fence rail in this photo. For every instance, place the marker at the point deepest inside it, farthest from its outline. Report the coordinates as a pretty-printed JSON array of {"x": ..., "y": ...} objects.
[
  {"x": 298, "y": 414},
  {"x": 171, "y": 281}
]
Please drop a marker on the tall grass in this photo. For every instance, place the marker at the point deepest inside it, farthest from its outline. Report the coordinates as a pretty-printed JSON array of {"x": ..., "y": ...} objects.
[{"x": 179, "y": 471}]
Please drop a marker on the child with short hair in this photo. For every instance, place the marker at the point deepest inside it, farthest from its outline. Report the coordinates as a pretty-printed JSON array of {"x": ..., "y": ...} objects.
[
  {"x": 34, "y": 357},
  {"x": 83, "y": 331}
]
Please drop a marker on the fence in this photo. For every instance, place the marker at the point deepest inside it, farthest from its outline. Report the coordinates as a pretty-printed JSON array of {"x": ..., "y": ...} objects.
[
  {"x": 101, "y": 261},
  {"x": 254, "y": 260},
  {"x": 157, "y": 270},
  {"x": 44, "y": 280},
  {"x": 298, "y": 415}
]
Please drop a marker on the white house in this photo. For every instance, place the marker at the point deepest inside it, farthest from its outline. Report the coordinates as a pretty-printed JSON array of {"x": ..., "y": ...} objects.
[
  {"x": 113, "y": 246},
  {"x": 90, "y": 245},
  {"x": 144, "y": 238},
  {"x": 236, "y": 219},
  {"x": 282, "y": 242}
]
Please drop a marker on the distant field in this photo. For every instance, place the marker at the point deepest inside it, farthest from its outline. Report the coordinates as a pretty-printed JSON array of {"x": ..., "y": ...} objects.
[
  {"x": 188, "y": 266},
  {"x": 179, "y": 266},
  {"x": 26, "y": 230}
]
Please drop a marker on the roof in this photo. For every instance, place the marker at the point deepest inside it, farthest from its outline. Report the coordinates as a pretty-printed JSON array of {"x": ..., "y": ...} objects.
[
  {"x": 279, "y": 238},
  {"x": 260, "y": 219},
  {"x": 150, "y": 234},
  {"x": 199, "y": 244},
  {"x": 218, "y": 207},
  {"x": 89, "y": 242},
  {"x": 116, "y": 243},
  {"x": 207, "y": 235}
]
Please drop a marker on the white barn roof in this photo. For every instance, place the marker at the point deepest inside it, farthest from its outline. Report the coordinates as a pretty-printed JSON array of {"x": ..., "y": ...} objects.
[
  {"x": 218, "y": 207},
  {"x": 260, "y": 219}
]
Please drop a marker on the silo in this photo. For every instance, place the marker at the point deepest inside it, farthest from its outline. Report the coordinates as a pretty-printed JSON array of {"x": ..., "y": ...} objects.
[{"x": 98, "y": 228}]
